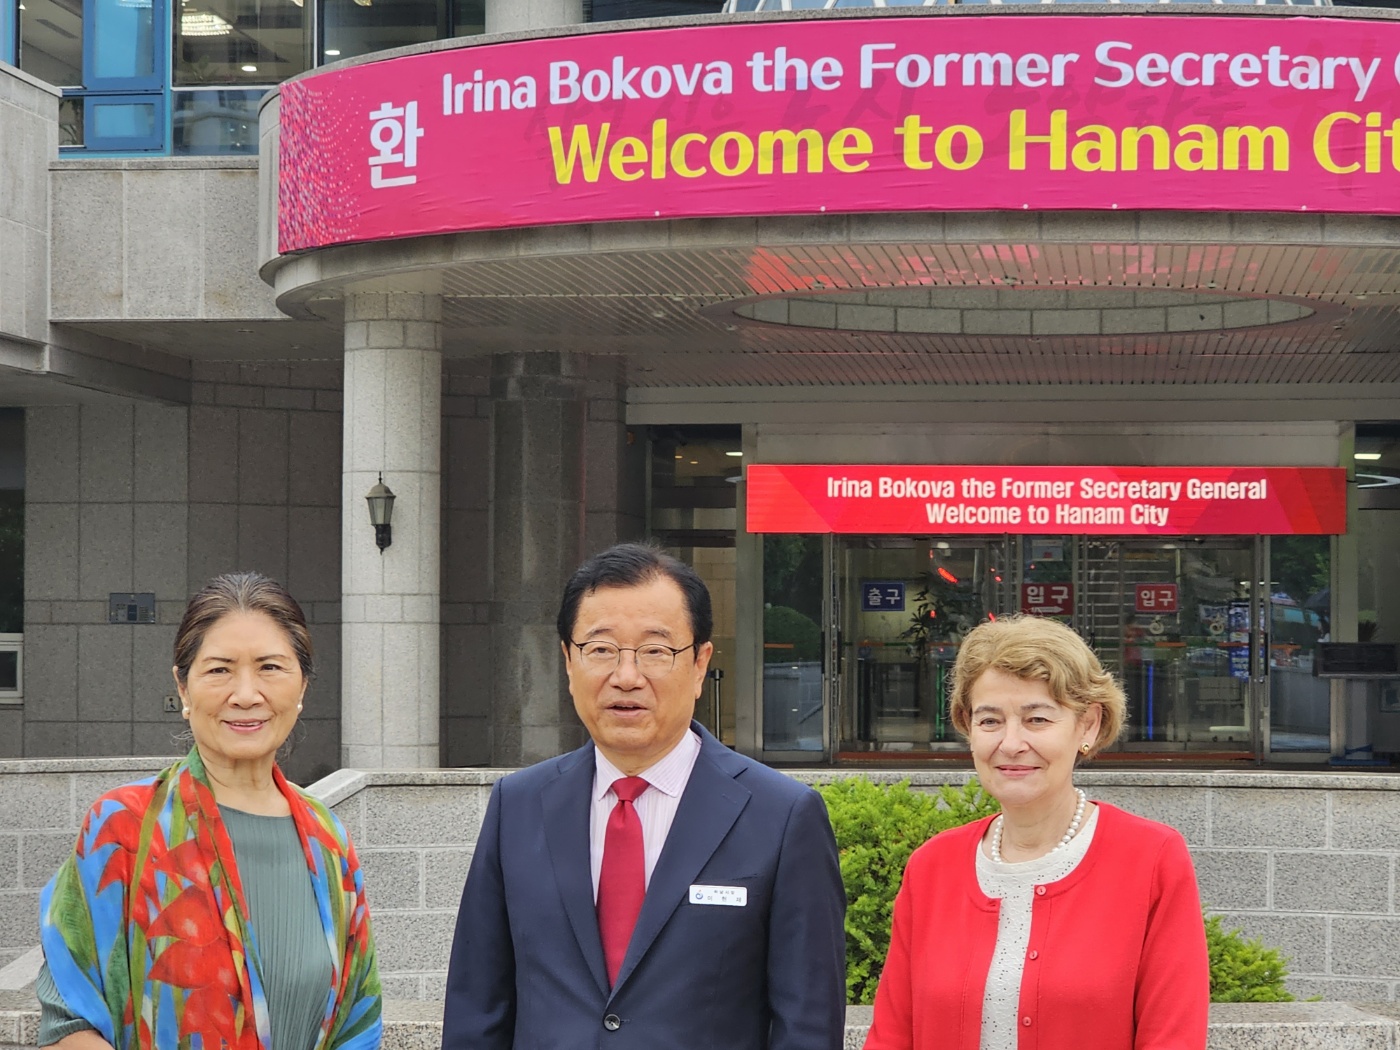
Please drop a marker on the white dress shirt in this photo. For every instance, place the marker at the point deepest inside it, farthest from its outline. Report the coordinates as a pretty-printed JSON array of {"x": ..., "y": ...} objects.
[{"x": 656, "y": 806}]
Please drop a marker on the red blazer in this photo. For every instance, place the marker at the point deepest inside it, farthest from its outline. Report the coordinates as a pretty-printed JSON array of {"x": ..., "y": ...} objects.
[{"x": 1116, "y": 960}]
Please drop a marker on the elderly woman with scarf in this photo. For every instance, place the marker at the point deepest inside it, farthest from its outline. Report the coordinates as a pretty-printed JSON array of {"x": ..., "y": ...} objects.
[{"x": 215, "y": 904}]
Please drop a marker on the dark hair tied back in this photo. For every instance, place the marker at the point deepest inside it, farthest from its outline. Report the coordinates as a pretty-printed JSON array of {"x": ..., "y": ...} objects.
[{"x": 241, "y": 592}]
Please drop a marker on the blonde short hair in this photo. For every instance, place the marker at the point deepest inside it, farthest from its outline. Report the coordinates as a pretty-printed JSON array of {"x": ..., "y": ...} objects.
[{"x": 1038, "y": 649}]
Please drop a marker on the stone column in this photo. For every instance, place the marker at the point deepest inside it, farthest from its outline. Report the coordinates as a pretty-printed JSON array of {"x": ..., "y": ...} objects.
[
  {"x": 509, "y": 16},
  {"x": 537, "y": 528},
  {"x": 390, "y": 620}
]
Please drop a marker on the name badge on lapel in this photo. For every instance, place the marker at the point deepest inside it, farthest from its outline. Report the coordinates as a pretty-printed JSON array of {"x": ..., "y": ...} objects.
[{"x": 726, "y": 896}]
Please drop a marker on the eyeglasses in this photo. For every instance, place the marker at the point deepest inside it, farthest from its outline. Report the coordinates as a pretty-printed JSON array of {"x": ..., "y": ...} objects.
[{"x": 653, "y": 660}]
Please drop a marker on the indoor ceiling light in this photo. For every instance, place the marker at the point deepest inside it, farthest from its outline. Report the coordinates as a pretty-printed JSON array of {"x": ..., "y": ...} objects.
[
  {"x": 249, "y": 69},
  {"x": 203, "y": 23},
  {"x": 1366, "y": 455},
  {"x": 332, "y": 52}
]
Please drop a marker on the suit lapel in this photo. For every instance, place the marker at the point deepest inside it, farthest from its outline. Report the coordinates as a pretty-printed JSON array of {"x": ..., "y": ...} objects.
[
  {"x": 710, "y": 804},
  {"x": 566, "y": 801}
]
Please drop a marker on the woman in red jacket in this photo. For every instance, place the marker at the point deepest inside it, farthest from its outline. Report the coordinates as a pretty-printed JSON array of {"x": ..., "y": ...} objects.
[{"x": 1060, "y": 924}]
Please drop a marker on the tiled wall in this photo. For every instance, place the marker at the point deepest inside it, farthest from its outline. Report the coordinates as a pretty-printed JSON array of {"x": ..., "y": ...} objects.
[
  {"x": 122, "y": 497},
  {"x": 1309, "y": 863}
]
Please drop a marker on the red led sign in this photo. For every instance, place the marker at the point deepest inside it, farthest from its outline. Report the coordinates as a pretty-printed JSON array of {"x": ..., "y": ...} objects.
[{"x": 1098, "y": 501}]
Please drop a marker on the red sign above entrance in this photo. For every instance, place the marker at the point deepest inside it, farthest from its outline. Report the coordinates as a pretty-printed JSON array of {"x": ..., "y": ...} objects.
[
  {"x": 1047, "y": 599},
  {"x": 1154, "y": 598},
  {"x": 1099, "y": 501}
]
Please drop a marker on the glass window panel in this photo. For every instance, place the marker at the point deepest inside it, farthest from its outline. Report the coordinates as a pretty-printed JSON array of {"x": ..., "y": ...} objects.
[
  {"x": 1300, "y": 616},
  {"x": 124, "y": 120},
  {"x": 357, "y": 27},
  {"x": 8, "y": 23},
  {"x": 468, "y": 17},
  {"x": 616, "y": 10},
  {"x": 51, "y": 41},
  {"x": 240, "y": 41},
  {"x": 70, "y": 121},
  {"x": 123, "y": 39},
  {"x": 9, "y": 671},
  {"x": 215, "y": 122},
  {"x": 792, "y": 643}
]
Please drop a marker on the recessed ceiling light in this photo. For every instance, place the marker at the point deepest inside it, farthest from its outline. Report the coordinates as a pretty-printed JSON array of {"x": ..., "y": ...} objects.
[
  {"x": 1366, "y": 455},
  {"x": 249, "y": 69},
  {"x": 736, "y": 455},
  {"x": 332, "y": 53}
]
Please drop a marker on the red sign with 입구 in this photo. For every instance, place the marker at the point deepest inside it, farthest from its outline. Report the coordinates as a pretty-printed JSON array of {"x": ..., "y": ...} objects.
[
  {"x": 1154, "y": 598},
  {"x": 1047, "y": 599},
  {"x": 1091, "y": 501}
]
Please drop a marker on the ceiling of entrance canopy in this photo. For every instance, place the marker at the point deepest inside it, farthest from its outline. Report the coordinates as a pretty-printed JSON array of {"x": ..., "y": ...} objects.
[
  {"x": 1294, "y": 300},
  {"x": 1251, "y": 313}
]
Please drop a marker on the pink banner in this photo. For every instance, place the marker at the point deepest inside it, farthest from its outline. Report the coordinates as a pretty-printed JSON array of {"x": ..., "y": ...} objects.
[
  {"x": 849, "y": 115},
  {"x": 1081, "y": 501}
]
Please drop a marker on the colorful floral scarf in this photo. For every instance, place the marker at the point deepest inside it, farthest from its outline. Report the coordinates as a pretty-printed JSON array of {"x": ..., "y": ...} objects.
[{"x": 145, "y": 927}]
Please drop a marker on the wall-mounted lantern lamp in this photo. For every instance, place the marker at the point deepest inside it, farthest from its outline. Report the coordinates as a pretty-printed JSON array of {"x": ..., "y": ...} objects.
[{"x": 381, "y": 512}]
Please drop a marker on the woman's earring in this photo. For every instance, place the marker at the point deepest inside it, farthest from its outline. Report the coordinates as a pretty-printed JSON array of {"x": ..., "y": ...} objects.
[
  {"x": 185, "y": 711},
  {"x": 1084, "y": 748},
  {"x": 298, "y": 705}
]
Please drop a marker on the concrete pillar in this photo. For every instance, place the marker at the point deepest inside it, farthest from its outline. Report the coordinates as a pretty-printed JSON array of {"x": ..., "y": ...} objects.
[
  {"x": 390, "y": 601},
  {"x": 510, "y": 16},
  {"x": 537, "y": 528}
]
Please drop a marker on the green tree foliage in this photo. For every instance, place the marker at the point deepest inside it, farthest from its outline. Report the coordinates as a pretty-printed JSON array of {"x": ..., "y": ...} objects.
[
  {"x": 1242, "y": 970},
  {"x": 877, "y": 827}
]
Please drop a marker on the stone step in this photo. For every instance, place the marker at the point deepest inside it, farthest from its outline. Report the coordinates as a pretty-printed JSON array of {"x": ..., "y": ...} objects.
[
  {"x": 413, "y": 1025},
  {"x": 1233, "y": 1026}
]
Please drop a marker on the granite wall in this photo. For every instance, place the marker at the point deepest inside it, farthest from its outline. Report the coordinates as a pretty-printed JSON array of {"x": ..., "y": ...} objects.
[
  {"x": 42, "y": 803},
  {"x": 1307, "y": 862}
]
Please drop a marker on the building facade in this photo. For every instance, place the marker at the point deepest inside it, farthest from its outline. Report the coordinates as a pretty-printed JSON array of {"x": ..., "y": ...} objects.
[{"x": 219, "y": 334}]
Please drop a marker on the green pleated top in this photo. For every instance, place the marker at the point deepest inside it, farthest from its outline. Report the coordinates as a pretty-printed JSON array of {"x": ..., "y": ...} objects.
[{"x": 293, "y": 952}]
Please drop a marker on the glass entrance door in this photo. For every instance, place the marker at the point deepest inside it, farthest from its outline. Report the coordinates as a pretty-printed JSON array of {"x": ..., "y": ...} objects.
[
  {"x": 905, "y": 604},
  {"x": 1178, "y": 623}
]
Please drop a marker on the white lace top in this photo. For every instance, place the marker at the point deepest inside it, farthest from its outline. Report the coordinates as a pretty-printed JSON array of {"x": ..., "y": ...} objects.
[{"x": 1014, "y": 885}]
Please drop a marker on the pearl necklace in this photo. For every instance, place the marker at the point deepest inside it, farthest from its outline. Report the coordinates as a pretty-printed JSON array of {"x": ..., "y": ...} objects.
[{"x": 1069, "y": 835}]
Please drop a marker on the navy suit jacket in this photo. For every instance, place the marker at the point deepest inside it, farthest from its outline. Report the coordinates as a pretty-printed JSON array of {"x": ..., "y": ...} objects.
[{"x": 527, "y": 962}]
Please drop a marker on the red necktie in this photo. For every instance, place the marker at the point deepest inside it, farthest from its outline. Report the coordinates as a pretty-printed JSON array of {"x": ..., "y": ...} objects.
[{"x": 622, "y": 884}]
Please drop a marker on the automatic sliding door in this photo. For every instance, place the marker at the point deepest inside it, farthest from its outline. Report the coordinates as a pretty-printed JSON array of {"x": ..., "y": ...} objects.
[
  {"x": 1175, "y": 621},
  {"x": 905, "y": 604}
]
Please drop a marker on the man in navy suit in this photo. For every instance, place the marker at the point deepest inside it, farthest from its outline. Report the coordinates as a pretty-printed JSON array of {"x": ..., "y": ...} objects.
[{"x": 652, "y": 890}]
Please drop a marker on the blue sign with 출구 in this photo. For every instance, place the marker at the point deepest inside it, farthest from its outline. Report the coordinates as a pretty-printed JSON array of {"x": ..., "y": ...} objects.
[{"x": 881, "y": 595}]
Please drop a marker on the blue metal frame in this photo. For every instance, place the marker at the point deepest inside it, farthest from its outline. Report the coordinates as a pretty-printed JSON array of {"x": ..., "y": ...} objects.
[
  {"x": 155, "y": 142},
  {"x": 9, "y": 29},
  {"x": 160, "y": 52}
]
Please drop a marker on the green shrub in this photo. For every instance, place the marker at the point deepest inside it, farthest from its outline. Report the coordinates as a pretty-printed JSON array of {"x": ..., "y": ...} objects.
[
  {"x": 798, "y": 634},
  {"x": 1243, "y": 971},
  {"x": 876, "y": 830}
]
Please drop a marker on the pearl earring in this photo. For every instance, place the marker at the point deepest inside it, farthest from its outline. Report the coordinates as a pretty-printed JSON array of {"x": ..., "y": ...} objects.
[
  {"x": 298, "y": 707},
  {"x": 184, "y": 710}
]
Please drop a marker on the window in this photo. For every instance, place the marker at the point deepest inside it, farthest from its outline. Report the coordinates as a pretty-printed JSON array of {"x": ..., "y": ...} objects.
[
  {"x": 240, "y": 41},
  {"x": 11, "y": 554},
  {"x": 351, "y": 28},
  {"x": 109, "y": 57},
  {"x": 220, "y": 121}
]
